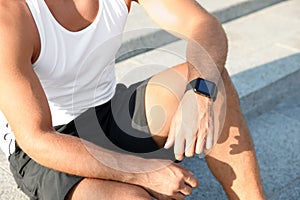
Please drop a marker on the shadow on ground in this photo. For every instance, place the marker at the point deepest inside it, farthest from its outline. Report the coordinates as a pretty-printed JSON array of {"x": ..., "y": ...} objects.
[{"x": 275, "y": 131}]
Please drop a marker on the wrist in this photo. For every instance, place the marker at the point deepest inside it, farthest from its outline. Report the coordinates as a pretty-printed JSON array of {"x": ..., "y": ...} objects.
[
  {"x": 203, "y": 87},
  {"x": 140, "y": 179}
]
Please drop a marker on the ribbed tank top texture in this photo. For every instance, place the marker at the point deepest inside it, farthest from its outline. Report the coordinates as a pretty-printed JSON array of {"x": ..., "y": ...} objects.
[{"x": 76, "y": 69}]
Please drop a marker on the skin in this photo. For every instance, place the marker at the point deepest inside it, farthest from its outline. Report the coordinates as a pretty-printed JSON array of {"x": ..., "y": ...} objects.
[{"x": 24, "y": 104}]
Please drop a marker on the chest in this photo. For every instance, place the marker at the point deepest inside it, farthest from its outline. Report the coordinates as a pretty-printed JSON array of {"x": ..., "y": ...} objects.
[
  {"x": 74, "y": 15},
  {"x": 66, "y": 49}
]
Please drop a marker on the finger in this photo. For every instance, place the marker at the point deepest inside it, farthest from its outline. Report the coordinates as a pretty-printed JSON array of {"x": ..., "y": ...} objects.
[
  {"x": 210, "y": 134},
  {"x": 191, "y": 181},
  {"x": 179, "y": 150},
  {"x": 186, "y": 190},
  {"x": 202, "y": 131},
  {"x": 209, "y": 140},
  {"x": 171, "y": 136},
  {"x": 179, "y": 146},
  {"x": 190, "y": 144},
  {"x": 178, "y": 196},
  {"x": 215, "y": 130},
  {"x": 200, "y": 142}
]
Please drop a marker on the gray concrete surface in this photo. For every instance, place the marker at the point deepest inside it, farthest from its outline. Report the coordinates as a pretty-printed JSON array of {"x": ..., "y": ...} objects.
[
  {"x": 141, "y": 31},
  {"x": 263, "y": 48},
  {"x": 8, "y": 188},
  {"x": 277, "y": 142},
  {"x": 276, "y": 135},
  {"x": 264, "y": 64}
]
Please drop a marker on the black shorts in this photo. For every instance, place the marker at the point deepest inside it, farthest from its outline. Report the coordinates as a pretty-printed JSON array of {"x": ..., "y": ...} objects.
[{"x": 118, "y": 125}]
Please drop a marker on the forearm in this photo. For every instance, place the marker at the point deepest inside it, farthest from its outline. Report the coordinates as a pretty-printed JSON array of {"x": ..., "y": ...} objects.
[
  {"x": 186, "y": 19},
  {"x": 207, "y": 49},
  {"x": 78, "y": 157}
]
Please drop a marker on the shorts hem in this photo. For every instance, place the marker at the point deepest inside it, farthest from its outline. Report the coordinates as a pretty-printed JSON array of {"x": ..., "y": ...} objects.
[{"x": 68, "y": 188}]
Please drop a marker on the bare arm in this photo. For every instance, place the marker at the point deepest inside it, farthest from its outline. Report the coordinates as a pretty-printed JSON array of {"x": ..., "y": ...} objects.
[
  {"x": 23, "y": 102},
  {"x": 25, "y": 106},
  {"x": 189, "y": 21},
  {"x": 205, "y": 56}
]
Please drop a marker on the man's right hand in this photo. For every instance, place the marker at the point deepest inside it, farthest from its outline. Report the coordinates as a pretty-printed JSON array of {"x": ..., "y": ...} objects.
[{"x": 170, "y": 182}]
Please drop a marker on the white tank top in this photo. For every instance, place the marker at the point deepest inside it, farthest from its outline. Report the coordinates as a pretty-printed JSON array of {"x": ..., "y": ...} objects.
[{"x": 76, "y": 69}]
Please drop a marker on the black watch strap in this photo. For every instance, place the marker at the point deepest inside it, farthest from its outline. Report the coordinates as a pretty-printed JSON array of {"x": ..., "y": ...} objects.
[{"x": 203, "y": 87}]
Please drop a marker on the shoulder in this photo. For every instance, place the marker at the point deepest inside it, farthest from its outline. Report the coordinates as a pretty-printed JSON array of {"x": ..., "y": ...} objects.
[
  {"x": 14, "y": 13},
  {"x": 16, "y": 25},
  {"x": 13, "y": 9}
]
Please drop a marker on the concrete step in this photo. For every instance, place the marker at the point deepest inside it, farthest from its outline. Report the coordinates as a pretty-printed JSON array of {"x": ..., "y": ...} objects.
[
  {"x": 8, "y": 187},
  {"x": 141, "y": 32},
  {"x": 264, "y": 64},
  {"x": 277, "y": 143},
  {"x": 263, "y": 57}
]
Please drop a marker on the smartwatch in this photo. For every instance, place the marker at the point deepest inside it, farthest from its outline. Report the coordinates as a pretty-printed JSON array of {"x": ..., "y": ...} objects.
[{"x": 204, "y": 87}]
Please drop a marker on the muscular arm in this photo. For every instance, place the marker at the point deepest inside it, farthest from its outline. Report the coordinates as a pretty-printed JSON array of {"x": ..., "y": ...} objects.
[
  {"x": 25, "y": 106},
  {"x": 205, "y": 57},
  {"x": 189, "y": 21},
  {"x": 192, "y": 22}
]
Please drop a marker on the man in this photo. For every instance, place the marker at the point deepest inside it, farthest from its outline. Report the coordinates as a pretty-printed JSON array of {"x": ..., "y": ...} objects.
[{"x": 54, "y": 69}]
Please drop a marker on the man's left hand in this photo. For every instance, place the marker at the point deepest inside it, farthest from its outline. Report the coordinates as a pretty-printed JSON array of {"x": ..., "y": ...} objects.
[{"x": 192, "y": 126}]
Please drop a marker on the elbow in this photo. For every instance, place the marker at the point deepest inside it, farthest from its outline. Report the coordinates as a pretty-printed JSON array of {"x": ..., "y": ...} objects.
[
  {"x": 221, "y": 46},
  {"x": 27, "y": 143},
  {"x": 209, "y": 33},
  {"x": 212, "y": 26},
  {"x": 31, "y": 142}
]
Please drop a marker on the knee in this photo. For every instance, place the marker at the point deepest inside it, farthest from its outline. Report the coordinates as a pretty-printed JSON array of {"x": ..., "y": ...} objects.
[
  {"x": 104, "y": 189},
  {"x": 229, "y": 88}
]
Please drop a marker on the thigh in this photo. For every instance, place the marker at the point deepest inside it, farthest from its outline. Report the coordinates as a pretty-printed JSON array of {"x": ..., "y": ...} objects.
[
  {"x": 163, "y": 94},
  {"x": 144, "y": 128},
  {"x": 233, "y": 160},
  {"x": 122, "y": 125},
  {"x": 39, "y": 182},
  {"x": 104, "y": 189}
]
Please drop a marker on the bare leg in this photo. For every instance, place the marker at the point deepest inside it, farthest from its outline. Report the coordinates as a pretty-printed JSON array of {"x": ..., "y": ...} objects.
[
  {"x": 232, "y": 160},
  {"x": 103, "y": 189}
]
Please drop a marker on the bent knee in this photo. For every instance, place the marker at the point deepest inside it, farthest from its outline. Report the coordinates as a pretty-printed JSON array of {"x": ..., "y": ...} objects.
[{"x": 104, "y": 189}]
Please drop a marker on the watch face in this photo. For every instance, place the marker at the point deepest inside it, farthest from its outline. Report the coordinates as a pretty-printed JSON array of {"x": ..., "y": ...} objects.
[{"x": 206, "y": 88}]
